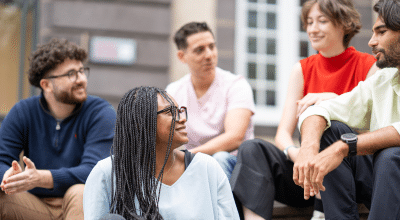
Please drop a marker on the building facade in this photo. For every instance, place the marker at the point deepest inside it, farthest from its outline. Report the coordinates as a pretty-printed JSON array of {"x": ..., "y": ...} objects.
[{"x": 259, "y": 39}]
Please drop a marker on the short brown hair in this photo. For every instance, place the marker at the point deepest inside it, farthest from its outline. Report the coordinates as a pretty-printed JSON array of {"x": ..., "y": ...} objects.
[
  {"x": 48, "y": 56},
  {"x": 339, "y": 12},
  {"x": 188, "y": 29}
]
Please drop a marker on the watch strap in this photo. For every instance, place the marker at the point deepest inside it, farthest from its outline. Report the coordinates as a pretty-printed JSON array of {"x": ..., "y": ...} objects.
[{"x": 352, "y": 148}]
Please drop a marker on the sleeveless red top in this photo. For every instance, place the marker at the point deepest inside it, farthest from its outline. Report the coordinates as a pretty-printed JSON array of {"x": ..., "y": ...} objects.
[{"x": 339, "y": 74}]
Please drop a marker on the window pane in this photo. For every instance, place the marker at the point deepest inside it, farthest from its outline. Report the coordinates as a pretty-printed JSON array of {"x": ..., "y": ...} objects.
[
  {"x": 252, "y": 45},
  {"x": 255, "y": 96},
  {"x": 252, "y": 70},
  {"x": 252, "y": 22},
  {"x": 271, "y": 46},
  {"x": 271, "y": 97},
  {"x": 301, "y": 26},
  {"x": 271, "y": 2},
  {"x": 303, "y": 49},
  {"x": 271, "y": 20},
  {"x": 271, "y": 72}
]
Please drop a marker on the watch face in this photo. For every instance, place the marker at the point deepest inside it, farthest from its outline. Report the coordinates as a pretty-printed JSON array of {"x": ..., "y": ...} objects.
[{"x": 349, "y": 136}]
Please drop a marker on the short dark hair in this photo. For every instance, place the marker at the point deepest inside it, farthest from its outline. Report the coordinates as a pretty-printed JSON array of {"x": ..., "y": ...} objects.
[
  {"x": 48, "y": 56},
  {"x": 188, "y": 29},
  {"x": 389, "y": 11},
  {"x": 340, "y": 12}
]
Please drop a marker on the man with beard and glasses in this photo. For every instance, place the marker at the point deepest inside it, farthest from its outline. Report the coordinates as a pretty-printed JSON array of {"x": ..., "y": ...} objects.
[
  {"x": 220, "y": 104},
  {"x": 63, "y": 133},
  {"x": 347, "y": 167}
]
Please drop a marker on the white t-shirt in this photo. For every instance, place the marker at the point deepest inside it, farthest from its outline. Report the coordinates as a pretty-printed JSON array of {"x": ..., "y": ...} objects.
[
  {"x": 206, "y": 116},
  {"x": 202, "y": 192}
]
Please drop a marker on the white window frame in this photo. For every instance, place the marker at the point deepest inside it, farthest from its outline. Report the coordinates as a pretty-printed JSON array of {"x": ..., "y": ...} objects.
[{"x": 288, "y": 38}]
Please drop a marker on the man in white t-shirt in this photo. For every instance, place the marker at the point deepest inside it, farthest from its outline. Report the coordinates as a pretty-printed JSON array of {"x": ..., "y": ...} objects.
[{"x": 220, "y": 104}]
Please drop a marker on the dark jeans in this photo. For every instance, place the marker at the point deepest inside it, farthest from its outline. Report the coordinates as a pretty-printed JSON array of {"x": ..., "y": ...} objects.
[{"x": 373, "y": 180}]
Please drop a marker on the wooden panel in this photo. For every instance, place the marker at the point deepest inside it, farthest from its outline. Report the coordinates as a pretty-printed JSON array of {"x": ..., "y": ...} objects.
[
  {"x": 9, "y": 58},
  {"x": 139, "y": 18},
  {"x": 114, "y": 82}
]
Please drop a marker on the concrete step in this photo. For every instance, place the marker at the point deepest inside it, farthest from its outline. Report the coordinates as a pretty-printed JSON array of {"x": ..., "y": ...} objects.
[{"x": 284, "y": 212}]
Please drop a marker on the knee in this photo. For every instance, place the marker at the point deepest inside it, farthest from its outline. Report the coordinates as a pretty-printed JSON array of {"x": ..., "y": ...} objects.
[
  {"x": 3, "y": 199},
  {"x": 75, "y": 192},
  {"x": 73, "y": 202},
  {"x": 6, "y": 200},
  {"x": 221, "y": 156},
  {"x": 387, "y": 159},
  {"x": 333, "y": 133},
  {"x": 254, "y": 149}
]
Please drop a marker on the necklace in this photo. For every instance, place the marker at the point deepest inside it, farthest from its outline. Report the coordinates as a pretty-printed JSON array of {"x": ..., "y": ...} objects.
[{"x": 173, "y": 161}]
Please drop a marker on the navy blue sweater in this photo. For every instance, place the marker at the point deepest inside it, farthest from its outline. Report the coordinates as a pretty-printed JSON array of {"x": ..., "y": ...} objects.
[{"x": 69, "y": 148}]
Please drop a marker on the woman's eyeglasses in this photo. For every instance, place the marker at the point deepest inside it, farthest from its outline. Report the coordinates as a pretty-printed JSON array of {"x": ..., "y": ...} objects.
[{"x": 178, "y": 112}]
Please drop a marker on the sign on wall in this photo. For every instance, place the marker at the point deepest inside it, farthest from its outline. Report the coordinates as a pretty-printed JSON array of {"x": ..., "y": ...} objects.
[{"x": 111, "y": 50}]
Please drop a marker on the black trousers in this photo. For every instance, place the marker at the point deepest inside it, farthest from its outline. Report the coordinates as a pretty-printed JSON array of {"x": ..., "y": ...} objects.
[
  {"x": 261, "y": 175},
  {"x": 373, "y": 180}
]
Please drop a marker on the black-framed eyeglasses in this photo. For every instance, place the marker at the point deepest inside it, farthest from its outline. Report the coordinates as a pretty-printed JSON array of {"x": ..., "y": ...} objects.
[
  {"x": 178, "y": 112},
  {"x": 73, "y": 74}
]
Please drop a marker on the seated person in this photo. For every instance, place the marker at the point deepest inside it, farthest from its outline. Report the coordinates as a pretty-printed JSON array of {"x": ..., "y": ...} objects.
[
  {"x": 264, "y": 171},
  {"x": 147, "y": 177},
  {"x": 63, "y": 133},
  {"x": 329, "y": 163},
  {"x": 220, "y": 103}
]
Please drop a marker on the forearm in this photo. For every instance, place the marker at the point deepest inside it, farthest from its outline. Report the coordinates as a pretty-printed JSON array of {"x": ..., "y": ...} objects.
[
  {"x": 224, "y": 142},
  {"x": 283, "y": 140},
  {"x": 371, "y": 142},
  {"x": 311, "y": 132}
]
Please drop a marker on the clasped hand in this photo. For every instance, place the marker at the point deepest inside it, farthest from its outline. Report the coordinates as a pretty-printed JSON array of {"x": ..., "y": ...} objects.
[
  {"x": 15, "y": 180},
  {"x": 311, "y": 167}
]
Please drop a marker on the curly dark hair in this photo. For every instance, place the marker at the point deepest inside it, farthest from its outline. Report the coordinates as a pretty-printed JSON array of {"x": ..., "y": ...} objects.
[{"x": 48, "y": 56}]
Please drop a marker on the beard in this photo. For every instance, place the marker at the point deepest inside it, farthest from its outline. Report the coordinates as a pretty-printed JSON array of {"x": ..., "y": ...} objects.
[
  {"x": 389, "y": 57},
  {"x": 67, "y": 97}
]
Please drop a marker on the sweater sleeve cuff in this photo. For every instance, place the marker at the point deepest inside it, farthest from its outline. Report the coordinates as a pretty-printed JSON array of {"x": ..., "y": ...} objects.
[
  {"x": 61, "y": 180},
  {"x": 315, "y": 110}
]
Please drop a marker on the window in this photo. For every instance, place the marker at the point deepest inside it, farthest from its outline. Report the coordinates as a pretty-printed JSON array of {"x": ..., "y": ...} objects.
[
  {"x": 269, "y": 41},
  {"x": 271, "y": 20},
  {"x": 252, "y": 45},
  {"x": 252, "y": 70},
  {"x": 252, "y": 19},
  {"x": 303, "y": 49},
  {"x": 271, "y": 46}
]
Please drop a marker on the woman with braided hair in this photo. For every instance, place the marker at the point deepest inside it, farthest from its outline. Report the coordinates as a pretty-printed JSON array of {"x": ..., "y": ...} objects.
[{"x": 150, "y": 177}]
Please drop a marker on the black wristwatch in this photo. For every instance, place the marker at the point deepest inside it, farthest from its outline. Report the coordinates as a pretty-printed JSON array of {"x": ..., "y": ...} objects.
[{"x": 351, "y": 140}]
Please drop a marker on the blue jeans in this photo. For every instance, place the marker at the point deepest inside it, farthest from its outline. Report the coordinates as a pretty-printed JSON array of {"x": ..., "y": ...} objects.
[{"x": 226, "y": 161}]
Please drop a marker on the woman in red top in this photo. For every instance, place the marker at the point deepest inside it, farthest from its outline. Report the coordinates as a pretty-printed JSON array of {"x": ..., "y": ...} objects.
[{"x": 264, "y": 172}]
